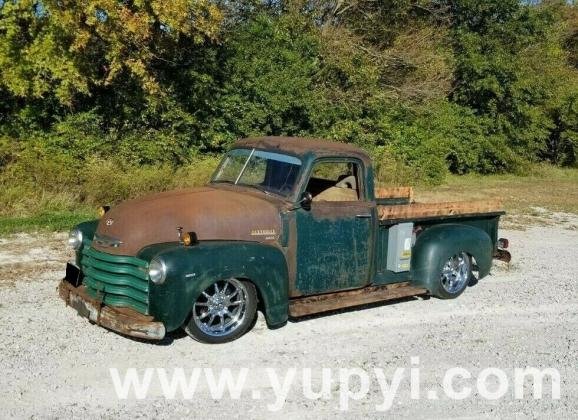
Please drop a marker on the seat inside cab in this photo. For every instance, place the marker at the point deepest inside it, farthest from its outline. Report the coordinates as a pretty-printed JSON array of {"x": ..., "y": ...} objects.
[{"x": 334, "y": 181}]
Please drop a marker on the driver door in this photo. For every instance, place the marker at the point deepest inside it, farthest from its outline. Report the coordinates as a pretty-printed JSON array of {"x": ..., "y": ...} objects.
[{"x": 334, "y": 235}]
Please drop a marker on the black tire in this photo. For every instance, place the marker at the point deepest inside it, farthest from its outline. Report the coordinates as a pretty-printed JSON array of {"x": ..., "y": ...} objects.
[
  {"x": 454, "y": 276},
  {"x": 198, "y": 325}
]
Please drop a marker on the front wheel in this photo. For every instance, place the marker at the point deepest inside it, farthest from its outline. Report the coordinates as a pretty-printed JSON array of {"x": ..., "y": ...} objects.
[
  {"x": 223, "y": 312},
  {"x": 455, "y": 276}
]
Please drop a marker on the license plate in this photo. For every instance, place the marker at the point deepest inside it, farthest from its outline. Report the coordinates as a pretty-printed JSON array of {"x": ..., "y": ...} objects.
[
  {"x": 73, "y": 275},
  {"x": 82, "y": 310}
]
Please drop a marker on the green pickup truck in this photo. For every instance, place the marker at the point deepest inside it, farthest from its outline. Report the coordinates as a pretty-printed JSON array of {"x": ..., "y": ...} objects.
[{"x": 287, "y": 226}]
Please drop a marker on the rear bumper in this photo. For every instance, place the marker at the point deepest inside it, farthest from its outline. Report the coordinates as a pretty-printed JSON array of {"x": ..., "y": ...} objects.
[
  {"x": 122, "y": 320},
  {"x": 502, "y": 255},
  {"x": 500, "y": 252}
]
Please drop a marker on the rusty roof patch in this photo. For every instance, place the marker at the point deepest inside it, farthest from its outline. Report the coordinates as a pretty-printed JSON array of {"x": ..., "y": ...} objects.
[{"x": 300, "y": 146}]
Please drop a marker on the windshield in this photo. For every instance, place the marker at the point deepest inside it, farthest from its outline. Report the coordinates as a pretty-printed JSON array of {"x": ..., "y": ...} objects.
[{"x": 266, "y": 171}]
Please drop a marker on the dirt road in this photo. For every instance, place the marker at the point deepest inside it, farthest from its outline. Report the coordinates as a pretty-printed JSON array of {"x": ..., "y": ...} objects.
[{"x": 55, "y": 364}]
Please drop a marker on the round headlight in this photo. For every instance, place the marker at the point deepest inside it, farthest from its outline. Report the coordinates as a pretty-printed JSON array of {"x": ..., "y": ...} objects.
[
  {"x": 75, "y": 239},
  {"x": 157, "y": 271}
]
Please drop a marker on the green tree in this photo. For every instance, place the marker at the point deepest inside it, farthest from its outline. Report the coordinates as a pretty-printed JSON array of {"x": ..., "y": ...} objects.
[
  {"x": 69, "y": 48},
  {"x": 511, "y": 68},
  {"x": 270, "y": 65}
]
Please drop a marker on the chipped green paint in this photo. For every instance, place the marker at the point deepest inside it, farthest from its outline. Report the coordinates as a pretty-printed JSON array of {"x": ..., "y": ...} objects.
[
  {"x": 193, "y": 269},
  {"x": 333, "y": 253},
  {"x": 437, "y": 244}
]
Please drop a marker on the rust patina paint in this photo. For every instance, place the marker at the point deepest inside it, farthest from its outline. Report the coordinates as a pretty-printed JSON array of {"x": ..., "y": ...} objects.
[
  {"x": 301, "y": 146},
  {"x": 213, "y": 213}
]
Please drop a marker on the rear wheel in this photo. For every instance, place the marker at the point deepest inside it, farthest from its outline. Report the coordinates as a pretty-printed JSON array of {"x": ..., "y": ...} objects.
[
  {"x": 455, "y": 276},
  {"x": 223, "y": 312}
]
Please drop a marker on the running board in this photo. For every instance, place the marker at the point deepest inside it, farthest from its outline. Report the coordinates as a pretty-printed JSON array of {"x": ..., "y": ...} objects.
[{"x": 332, "y": 301}]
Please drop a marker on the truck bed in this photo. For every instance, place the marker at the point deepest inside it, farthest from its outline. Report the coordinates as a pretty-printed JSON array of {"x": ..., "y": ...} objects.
[{"x": 395, "y": 204}]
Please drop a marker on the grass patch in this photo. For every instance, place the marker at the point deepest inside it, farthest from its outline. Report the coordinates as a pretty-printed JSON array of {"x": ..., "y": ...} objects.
[
  {"x": 45, "y": 197},
  {"x": 547, "y": 187},
  {"x": 528, "y": 200},
  {"x": 49, "y": 221}
]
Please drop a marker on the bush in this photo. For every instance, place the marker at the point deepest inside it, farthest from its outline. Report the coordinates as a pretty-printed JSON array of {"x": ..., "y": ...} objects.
[
  {"x": 195, "y": 174},
  {"x": 7, "y": 151},
  {"x": 107, "y": 182},
  {"x": 37, "y": 183}
]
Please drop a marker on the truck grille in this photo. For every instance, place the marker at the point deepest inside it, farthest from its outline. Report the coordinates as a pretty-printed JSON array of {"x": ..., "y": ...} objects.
[{"x": 117, "y": 280}]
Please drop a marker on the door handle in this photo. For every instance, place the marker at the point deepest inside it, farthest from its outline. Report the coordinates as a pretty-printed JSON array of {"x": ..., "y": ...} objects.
[{"x": 363, "y": 216}]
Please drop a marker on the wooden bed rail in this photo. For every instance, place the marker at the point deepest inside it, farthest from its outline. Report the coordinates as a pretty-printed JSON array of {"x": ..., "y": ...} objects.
[
  {"x": 394, "y": 192},
  {"x": 424, "y": 210}
]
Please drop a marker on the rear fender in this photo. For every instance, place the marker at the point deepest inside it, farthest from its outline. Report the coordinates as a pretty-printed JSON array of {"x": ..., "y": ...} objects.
[
  {"x": 192, "y": 269},
  {"x": 438, "y": 243}
]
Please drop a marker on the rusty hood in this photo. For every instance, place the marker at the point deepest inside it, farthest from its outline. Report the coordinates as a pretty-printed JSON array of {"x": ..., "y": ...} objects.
[{"x": 213, "y": 213}]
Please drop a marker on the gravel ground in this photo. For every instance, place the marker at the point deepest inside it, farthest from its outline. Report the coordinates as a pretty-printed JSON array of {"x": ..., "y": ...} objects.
[{"x": 56, "y": 364}]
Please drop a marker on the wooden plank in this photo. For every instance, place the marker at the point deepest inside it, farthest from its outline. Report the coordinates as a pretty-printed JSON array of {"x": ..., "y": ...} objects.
[
  {"x": 394, "y": 192},
  {"x": 332, "y": 301},
  {"x": 420, "y": 210}
]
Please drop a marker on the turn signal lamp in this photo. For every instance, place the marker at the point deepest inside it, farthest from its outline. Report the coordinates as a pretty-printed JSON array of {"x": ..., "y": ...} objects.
[
  {"x": 102, "y": 210},
  {"x": 189, "y": 238}
]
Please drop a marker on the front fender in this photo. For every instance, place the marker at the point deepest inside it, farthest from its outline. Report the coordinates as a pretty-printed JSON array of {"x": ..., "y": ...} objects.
[
  {"x": 88, "y": 228},
  {"x": 192, "y": 269},
  {"x": 438, "y": 243}
]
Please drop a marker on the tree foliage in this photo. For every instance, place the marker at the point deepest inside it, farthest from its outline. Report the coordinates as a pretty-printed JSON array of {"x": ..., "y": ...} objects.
[
  {"x": 70, "y": 48},
  {"x": 428, "y": 86}
]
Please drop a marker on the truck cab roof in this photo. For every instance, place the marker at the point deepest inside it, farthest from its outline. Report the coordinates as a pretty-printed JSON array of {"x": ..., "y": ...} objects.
[{"x": 302, "y": 146}]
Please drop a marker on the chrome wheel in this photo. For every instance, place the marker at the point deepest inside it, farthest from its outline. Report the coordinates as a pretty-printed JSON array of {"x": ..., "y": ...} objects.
[
  {"x": 221, "y": 308},
  {"x": 456, "y": 273}
]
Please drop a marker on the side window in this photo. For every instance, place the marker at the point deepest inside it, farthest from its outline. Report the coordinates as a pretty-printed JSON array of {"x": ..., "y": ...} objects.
[{"x": 335, "y": 181}]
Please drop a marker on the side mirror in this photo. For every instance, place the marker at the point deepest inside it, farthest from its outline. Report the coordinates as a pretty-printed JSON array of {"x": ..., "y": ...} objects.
[{"x": 306, "y": 199}]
